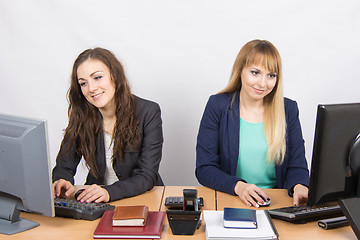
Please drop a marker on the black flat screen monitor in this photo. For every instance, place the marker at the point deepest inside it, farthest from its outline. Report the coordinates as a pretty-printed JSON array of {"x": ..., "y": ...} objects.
[
  {"x": 25, "y": 183},
  {"x": 336, "y": 136}
]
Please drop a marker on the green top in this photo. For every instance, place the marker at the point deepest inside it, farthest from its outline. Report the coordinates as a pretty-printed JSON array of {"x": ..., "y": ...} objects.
[{"x": 252, "y": 164}]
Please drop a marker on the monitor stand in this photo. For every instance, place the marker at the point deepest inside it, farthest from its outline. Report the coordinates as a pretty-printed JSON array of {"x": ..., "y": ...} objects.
[
  {"x": 350, "y": 208},
  {"x": 10, "y": 222}
]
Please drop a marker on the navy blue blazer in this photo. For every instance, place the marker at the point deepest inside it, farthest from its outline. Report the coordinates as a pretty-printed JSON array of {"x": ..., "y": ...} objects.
[{"x": 217, "y": 148}]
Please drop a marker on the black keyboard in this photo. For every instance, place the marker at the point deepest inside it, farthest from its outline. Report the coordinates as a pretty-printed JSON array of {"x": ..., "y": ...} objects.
[
  {"x": 80, "y": 210},
  {"x": 177, "y": 202},
  {"x": 303, "y": 214}
]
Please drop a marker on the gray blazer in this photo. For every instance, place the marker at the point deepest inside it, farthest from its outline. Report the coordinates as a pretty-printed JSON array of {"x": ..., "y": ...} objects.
[{"x": 137, "y": 171}]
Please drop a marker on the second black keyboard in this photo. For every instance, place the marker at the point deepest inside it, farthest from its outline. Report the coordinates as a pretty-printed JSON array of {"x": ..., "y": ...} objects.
[
  {"x": 80, "y": 210},
  {"x": 303, "y": 214}
]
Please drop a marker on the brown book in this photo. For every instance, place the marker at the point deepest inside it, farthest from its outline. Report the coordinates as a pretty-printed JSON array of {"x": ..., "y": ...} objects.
[{"x": 130, "y": 216}]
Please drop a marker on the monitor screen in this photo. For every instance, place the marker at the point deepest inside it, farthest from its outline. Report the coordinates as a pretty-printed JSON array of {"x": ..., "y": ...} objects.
[
  {"x": 337, "y": 127},
  {"x": 25, "y": 182}
]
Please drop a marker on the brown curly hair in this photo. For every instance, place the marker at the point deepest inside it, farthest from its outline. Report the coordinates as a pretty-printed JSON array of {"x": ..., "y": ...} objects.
[{"x": 85, "y": 120}]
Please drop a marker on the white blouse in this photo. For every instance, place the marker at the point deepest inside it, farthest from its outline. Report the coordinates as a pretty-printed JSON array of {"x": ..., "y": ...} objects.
[{"x": 110, "y": 175}]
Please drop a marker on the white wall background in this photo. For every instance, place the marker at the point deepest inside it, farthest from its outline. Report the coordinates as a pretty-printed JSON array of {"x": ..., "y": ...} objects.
[{"x": 176, "y": 53}]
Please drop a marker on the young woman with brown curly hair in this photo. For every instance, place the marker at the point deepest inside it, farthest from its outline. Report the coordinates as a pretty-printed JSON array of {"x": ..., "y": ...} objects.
[{"x": 118, "y": 134}]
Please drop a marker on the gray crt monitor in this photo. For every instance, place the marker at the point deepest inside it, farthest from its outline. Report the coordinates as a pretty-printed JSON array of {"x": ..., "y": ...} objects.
[{"x": 25, "y": 182}]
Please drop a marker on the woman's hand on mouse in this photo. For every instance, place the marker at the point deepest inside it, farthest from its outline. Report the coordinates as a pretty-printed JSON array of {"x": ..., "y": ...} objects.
[
  {"x": 94, "y": 193},
  {"x": 300, "y": 194},
  {"x": 60, "y": 185},
  {"x": 248, "y": 192}
]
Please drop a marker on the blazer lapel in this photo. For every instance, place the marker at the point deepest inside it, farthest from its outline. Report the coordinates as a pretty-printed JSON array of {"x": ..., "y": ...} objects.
[{"x": 233, "y": 132}]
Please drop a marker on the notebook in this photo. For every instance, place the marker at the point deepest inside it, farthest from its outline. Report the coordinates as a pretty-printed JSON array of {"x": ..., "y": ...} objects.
[
  {"x": 215, "y": 229},
  {"x": 152, "y": 229},
  {"x": 240, "y": 218},
  {"x": 130, "y": 215}
]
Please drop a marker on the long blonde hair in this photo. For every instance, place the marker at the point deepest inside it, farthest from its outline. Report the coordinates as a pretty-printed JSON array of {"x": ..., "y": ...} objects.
[{"x": 264, "y": 53}]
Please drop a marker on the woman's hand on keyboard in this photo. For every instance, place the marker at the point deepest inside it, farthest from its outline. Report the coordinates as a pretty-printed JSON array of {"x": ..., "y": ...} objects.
[
  {"x": 63, "y": 185},
  {"x": 300, "y": 194},
  {"x": 94, "y": 193}
]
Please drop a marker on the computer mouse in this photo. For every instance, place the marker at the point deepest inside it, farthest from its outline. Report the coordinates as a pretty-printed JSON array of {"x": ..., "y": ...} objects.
[
  {"x": 266, "y": 202},
  {"x": 78, "y": 193}
]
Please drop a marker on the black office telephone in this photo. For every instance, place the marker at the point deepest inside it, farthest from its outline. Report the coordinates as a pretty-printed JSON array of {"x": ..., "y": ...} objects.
[
  {"x": 187, "y": 218},
  {"x": 177, "y": 202}
]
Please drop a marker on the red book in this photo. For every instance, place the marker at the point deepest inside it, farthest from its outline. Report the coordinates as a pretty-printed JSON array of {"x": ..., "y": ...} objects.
[{"x": 152, "y": 229}]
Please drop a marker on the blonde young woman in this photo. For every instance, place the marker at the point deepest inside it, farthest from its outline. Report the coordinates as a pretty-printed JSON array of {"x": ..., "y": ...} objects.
[{"x": 250, "y": 136}]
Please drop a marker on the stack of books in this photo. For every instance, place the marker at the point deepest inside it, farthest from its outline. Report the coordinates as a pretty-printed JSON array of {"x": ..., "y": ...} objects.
[{"x": 130, "y": 222}]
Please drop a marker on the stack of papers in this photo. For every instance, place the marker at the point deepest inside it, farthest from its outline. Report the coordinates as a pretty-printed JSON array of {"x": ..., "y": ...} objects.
[{"x": 215, "y": 230}]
